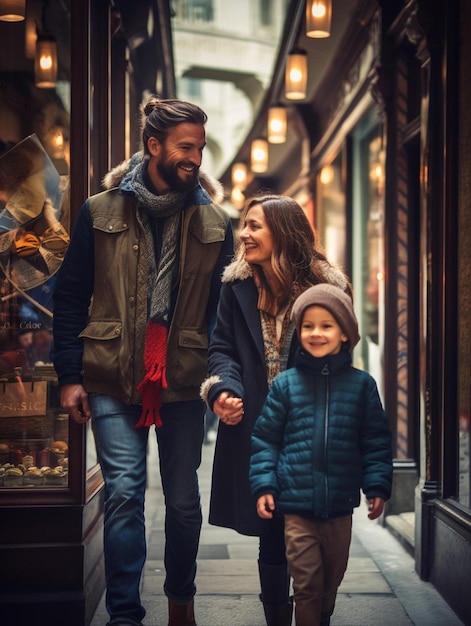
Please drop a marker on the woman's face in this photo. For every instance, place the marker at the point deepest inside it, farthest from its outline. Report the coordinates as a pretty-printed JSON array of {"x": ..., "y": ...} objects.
[{"x": 257, "y": 237}]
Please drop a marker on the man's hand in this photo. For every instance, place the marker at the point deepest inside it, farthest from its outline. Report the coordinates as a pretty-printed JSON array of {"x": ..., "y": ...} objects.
[{"x": 74, "y": 400}]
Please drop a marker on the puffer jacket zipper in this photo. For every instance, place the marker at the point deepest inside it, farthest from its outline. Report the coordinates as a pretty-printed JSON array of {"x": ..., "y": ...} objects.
[{"x": 325, "y": 372}]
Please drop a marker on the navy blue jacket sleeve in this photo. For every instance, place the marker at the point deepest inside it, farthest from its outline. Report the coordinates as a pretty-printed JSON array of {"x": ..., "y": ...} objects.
[
  {"x": 72, "y": 297},
  {"x": 224, "y": 360},
  {"x": 266, "y": 443}
]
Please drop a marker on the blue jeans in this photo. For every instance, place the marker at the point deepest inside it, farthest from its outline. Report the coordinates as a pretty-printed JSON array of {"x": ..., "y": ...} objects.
[{"x": 122, "y": 454}]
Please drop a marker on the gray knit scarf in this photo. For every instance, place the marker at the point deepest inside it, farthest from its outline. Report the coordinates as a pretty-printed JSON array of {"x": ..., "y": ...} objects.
[{"x": 169, "y": 205}]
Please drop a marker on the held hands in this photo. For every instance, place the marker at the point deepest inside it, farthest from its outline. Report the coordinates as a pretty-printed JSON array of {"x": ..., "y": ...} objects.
[
  {"x": 229, "y": 409},
  {"x": 74, "y": 400},
  {"x": 375, "y": 507},
  {"x": 266, "y": 506}
]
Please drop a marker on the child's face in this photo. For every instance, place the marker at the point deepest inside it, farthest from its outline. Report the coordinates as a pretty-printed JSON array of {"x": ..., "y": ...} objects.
[{"x": 321, "y": 334}]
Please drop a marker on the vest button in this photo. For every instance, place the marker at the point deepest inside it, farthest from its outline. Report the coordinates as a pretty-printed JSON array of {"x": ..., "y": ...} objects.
[{"x": 135, "y": 247}]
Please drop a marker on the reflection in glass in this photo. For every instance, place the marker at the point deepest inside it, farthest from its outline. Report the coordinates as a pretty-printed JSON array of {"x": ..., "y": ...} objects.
[
  {"x": 331, "y": 218},
  {"x": 464, "y": 352},
  {"x": 33, "y": 242},
  {"x": 374, "y": 229},
  {"x": 34, "y": 227}
]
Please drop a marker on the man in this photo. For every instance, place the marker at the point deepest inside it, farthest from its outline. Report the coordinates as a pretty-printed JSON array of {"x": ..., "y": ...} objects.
[{"x": 134, "y": 306}]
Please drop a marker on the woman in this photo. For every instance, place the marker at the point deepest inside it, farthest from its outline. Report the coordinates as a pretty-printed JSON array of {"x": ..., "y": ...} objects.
[{"x": 253, "y": 341}]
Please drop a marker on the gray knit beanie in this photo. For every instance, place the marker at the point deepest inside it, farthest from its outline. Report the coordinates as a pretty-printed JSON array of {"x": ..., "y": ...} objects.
[{"x": 336, "y": 301}]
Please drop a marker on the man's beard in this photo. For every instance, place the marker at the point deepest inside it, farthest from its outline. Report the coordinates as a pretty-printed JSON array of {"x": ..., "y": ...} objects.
[{"x": 169, "y": 173}]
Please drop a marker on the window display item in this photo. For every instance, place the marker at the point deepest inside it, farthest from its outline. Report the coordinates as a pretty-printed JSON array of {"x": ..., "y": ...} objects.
[{"x": 33, "y": 243}]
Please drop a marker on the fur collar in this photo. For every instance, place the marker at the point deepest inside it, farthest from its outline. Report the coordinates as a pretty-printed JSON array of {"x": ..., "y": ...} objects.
[
  {"x": 239, "y": 269},
  {"x": 113, "y": 178}
]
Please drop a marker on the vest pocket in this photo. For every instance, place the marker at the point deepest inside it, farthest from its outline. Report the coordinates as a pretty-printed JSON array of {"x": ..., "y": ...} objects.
[
  {"x": 190, "y": 366},
  {"x": 101, "y": 350}
]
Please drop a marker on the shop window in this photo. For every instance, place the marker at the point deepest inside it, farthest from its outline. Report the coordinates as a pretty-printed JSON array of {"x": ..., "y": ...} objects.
[
  {"x": 464, "y": 351},
  {"x": 189, "y": 88},
  {"x": 195, "y": 10},
  {"x": 349, "y": 219},
  {"x": 34, "y": 236},
  {"x": 462, "y": 303},
  {"x": 331, "y": 222},
  {"x": 367, "y": 166},
  {"x": 266, "y": 12}
]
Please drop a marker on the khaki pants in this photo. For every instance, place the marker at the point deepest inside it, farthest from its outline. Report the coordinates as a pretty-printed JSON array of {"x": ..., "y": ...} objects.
[{"x": 317, "y": 553}]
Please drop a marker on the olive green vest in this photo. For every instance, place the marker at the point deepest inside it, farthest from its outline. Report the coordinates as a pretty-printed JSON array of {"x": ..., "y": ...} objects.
[{"x": 114, "y": 337}]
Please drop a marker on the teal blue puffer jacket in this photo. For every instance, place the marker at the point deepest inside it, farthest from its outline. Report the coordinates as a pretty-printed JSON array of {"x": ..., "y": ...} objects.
[{"x": 321, "y": 437}]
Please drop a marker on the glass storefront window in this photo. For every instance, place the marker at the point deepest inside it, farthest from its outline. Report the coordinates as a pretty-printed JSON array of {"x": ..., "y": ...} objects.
[
  {"x": 462, "y": 303},
  {"x": 34, "y": 235},
  {"x": 464, "y": 351},
  {"x": 364, "y": 169},
  {"x": 331, "y": 218},
  {"x": 368, "y": 242}
]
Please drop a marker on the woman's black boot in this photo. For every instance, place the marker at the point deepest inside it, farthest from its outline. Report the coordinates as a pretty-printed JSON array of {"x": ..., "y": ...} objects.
[{"x": 274, "y": 583}]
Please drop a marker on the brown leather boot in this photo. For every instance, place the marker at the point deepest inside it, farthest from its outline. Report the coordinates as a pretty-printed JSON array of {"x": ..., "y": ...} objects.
[{"x": 181, "y": 614}]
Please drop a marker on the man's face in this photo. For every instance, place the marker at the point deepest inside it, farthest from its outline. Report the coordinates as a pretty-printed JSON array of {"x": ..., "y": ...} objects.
[{"x": 174, "y": 164}]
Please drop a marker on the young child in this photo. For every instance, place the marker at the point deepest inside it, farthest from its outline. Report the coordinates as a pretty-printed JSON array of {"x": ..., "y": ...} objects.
[{"x": 321, "y": 437}]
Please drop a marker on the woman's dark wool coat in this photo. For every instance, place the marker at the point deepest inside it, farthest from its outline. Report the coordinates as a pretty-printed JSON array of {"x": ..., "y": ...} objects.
[{"x": 236, "y": 357}]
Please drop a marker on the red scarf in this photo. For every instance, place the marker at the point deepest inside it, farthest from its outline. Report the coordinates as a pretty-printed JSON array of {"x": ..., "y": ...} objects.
[{"x": 150, "y": 387}]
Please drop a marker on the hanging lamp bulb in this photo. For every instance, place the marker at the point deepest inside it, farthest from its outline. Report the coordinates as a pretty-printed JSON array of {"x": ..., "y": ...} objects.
[
  {"x": 259, "y": 156},
  {"x": 318, "y": 18},
  {"x": 239, "y": 175},
  {"x": 45, "y": 61},
  {"x": 277, "y": 124},
  {"x": 237, "y": 198},
  {"x": 12, "y": 10},
  {"x": 296, "y": 74}
]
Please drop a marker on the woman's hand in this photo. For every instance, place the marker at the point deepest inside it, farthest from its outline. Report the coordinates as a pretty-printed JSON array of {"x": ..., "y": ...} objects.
[
  {"x": 266, "y": 506},
  {"x": 229, "y": 409}
]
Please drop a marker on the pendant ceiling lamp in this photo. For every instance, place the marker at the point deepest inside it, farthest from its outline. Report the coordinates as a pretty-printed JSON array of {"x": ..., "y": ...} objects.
[
  {"x": 45, "y": 62},
  {"x": 237, "y": 198},
  {"x": 259, "y": 156},
  {"x": 296, "y": 74},
  {"x": 277, "y": 124},
  {"x": 239, "y": 175},
  {"x": 12, "y": 10},
  {"x": 318, "y": 18}
]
